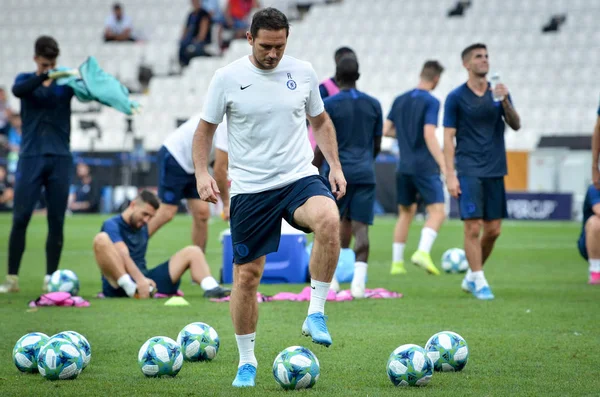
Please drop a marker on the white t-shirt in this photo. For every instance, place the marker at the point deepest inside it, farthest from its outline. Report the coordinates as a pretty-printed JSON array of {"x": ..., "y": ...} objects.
[
  {"x": 266, "y": 117},
  {"x": 179, "y": 143},
  {"x": 118, "y": 27}
]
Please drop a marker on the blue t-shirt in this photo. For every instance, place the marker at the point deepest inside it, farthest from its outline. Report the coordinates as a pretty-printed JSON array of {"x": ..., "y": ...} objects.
[
  {"x": 410, "y": 113},
  {"x": 592, "y": 198},
  {"x": 358, "y": 119},
  {"x": 479, "y": 123},
  {"x": 136, "y": 240},
  {"x": 46, "y": 115}
]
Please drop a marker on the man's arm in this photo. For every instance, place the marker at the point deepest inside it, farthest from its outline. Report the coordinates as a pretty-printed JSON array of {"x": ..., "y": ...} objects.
[
  {"x": 24, "y": 86},
  {"x": 510, "y": 114},
  {"x": 201, "y": 145},
  {"x": 7, "y": 195},
  {"x": 389, "y": 129},
  {"x": 203, "y": 30},
  {"x": 130, "y": 266},
  {"x": 449, "y": 149},
  {"x": 596, "y": 154},
  {"x": 434, "y": 146},
  {"x": 220, "y": 169}
]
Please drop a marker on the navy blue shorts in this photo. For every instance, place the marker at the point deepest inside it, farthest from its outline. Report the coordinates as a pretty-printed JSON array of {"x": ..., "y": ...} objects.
[
  {"x": 582, "y": 246},
  {"x": 358, "y": 203},
  {"x": 159, "y": 274},
  {"x": 256, "y": 217},
  {"x": 174, "y": 183},
  {"x": 429, "y": 187},
  {"x": 482, "y": 198}
]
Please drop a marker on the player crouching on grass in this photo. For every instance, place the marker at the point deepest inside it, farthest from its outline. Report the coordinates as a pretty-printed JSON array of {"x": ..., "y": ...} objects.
[
  {"x": 589, "y": 239},
  {"x": 120, "y": 252}
]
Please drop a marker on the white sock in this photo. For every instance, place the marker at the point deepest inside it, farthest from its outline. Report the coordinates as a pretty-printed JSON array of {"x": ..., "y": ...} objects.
[
  {"x": 360, "y": 273},
  {"x": 479, "y": 279},
  {"x": 469, "y": 275},
  {"x": 428, "y": 236},
  {"x": 318, "y": 296},
  {"x": 398, "y": 252},
  {"x": 594, "y": 265},
  {"x": 127, "y": 283},
  {"x": 209, "y": 283},
  {"x": 246, "y": 349}
]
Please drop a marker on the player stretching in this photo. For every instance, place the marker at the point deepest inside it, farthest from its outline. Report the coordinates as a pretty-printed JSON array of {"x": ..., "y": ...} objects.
[
  {"x": 267, "y": 97},
  {"x": 590, "y": 232},
  {"x": 358, "y": 122},
  {"x": 45, "y": 158},
  {"x": 177, "y": 181},
  {"x": 477, "y": 121},
  {"x": 413, "y": 120}
]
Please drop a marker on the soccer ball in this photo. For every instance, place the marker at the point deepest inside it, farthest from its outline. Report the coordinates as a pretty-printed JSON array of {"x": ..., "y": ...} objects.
[
  {"x": 199, "y": 342},
  {"x": 296, "y": 368},
  {"x": 59, "y": 358},
  {"x": 409, "y": 365},
  {"x": 448, "y": 351},
  {"x": 160, "y": 356},
  {"x": 64, "y": 281},
  {"x": 26, "y": 351},
  {"x": 81, "y": 342},
  {"x": 454, "y": 260}
]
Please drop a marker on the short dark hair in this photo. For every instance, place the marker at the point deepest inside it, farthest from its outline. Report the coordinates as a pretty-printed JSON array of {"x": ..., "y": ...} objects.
[
  {"x": 467, "y": 51},
  {"x": 146, "y": 196},
  {"x": 47, "y": 47},
  {"x": 340, "y": 52},
  {"x": 346, "y": 70},
  {"x": 117, "y": 6},
  {"x": 269, "y": 19},
  {"x": 431, "y": 69}
]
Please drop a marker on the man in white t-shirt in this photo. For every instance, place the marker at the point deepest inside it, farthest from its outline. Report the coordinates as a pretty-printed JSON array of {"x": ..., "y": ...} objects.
[
  {"x": 267, "y": 97},
  {"x": 177, "y": 181},
  {"x": 118, "y": 26}
]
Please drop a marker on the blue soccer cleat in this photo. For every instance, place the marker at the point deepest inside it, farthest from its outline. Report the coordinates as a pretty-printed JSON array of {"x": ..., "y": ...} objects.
[
  {"x": 315, "y": 327},
  {"x": 484, "y": 293},
  {"x": 467, "y": 286},
  {"x": 245, "y": 376}
]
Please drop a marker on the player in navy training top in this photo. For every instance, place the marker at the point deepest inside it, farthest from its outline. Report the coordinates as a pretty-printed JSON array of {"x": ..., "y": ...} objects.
[
  {"x": 340, "y": 53},
  {"x": 413, "y": 120},
  {"x": 120, "y": 252},
  {"x": 477, "y": 122},
  {"x": 358, "y": 122},
  {"x": 44, "y": 159},
  {"x": 596, "y": 151},
  {"x": 589, "y": 239}
]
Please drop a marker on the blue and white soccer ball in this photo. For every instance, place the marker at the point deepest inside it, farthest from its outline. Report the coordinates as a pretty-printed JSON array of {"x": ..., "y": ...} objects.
[
  {"x": 409, "y": 365},
  {"x": 59, "y": 358},
  {"x": 448, "y": 351},
  {"x": 160, "y": 356},
  {"x": 81, "y": 342},
  {"x": 64, "y": 281},
  {"x": 199, "y": 342},
  {"x": 26, "y": 351},
  {"x": 296, "y": 368},
  {"x": 454, "y": 260}
]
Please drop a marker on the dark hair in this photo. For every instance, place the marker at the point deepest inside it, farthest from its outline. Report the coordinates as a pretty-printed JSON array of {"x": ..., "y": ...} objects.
[
  {"x": 146, "y": 196},
  {"x": 269, "y": 19},
  {"x": 117, "y": 6},
  {"x": 47, "y": 47},
  {"x": 340, "y": 52},
  {"x": 467, "y": 51},
  {"x": 431, "y": 69},
  {"x": 346, "y": 70}
]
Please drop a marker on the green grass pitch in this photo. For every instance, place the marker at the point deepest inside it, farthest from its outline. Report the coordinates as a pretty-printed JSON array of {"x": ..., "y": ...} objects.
[{"x": 539, "y": 337}]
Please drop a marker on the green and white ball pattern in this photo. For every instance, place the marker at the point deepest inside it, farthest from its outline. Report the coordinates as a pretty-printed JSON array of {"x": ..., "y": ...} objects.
[
  {"x": 448, "y": 351},
  {"x": 296, "y": 368},
  {"x": 199, "y": 342},
  {"x": 64, "y": 281},
  {"x": 160, "y": 356},
  {"x": 81, "y": 342},
  {"x": 454, "y": 260},
  {"x": 26, "y": 351},
  {"x": 409, "y": 365},
  {"x": 59, "y": 358}
]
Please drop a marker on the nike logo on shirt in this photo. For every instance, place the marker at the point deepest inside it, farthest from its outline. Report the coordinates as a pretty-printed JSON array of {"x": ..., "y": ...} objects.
[{"x": 243, "y": 88}]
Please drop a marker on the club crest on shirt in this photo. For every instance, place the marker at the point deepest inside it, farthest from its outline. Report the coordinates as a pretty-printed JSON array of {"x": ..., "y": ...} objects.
[{"x": 291, "y": 84}]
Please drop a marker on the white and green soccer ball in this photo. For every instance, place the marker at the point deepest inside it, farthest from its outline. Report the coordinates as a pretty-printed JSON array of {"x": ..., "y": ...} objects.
[
  {"x": 59, "y": 358},
  {"x": 199, "y": 342},
  {"x": 160, "y": 356},
  {"x": 64, "y": 281},
  {"x": 296, "y": 368},
  {"x": 448, "y": 351},
  {"x": 81, "y": 342},
  {"x": 409, "y": 365},
  {"x": 26, "y": 351},
  {"x": 454, "y": 260}
]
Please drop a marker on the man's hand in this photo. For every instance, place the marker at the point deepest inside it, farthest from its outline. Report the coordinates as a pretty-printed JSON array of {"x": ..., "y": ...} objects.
[
  {"x": 60, "y": 73},
  {"x": 144, "y": 288},
  {"x": 453, "y": 186},
  {"x": 225, "y": 213},
  {"x": 207, "y": 187},
  {"x": 501, "y": 90},
  {"x": 337, "y": 182},
  {"x": 596, "y": 176}
]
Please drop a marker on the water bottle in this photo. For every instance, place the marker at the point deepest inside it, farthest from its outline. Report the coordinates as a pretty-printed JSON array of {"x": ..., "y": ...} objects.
[{"x": 495, "y": 80}]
